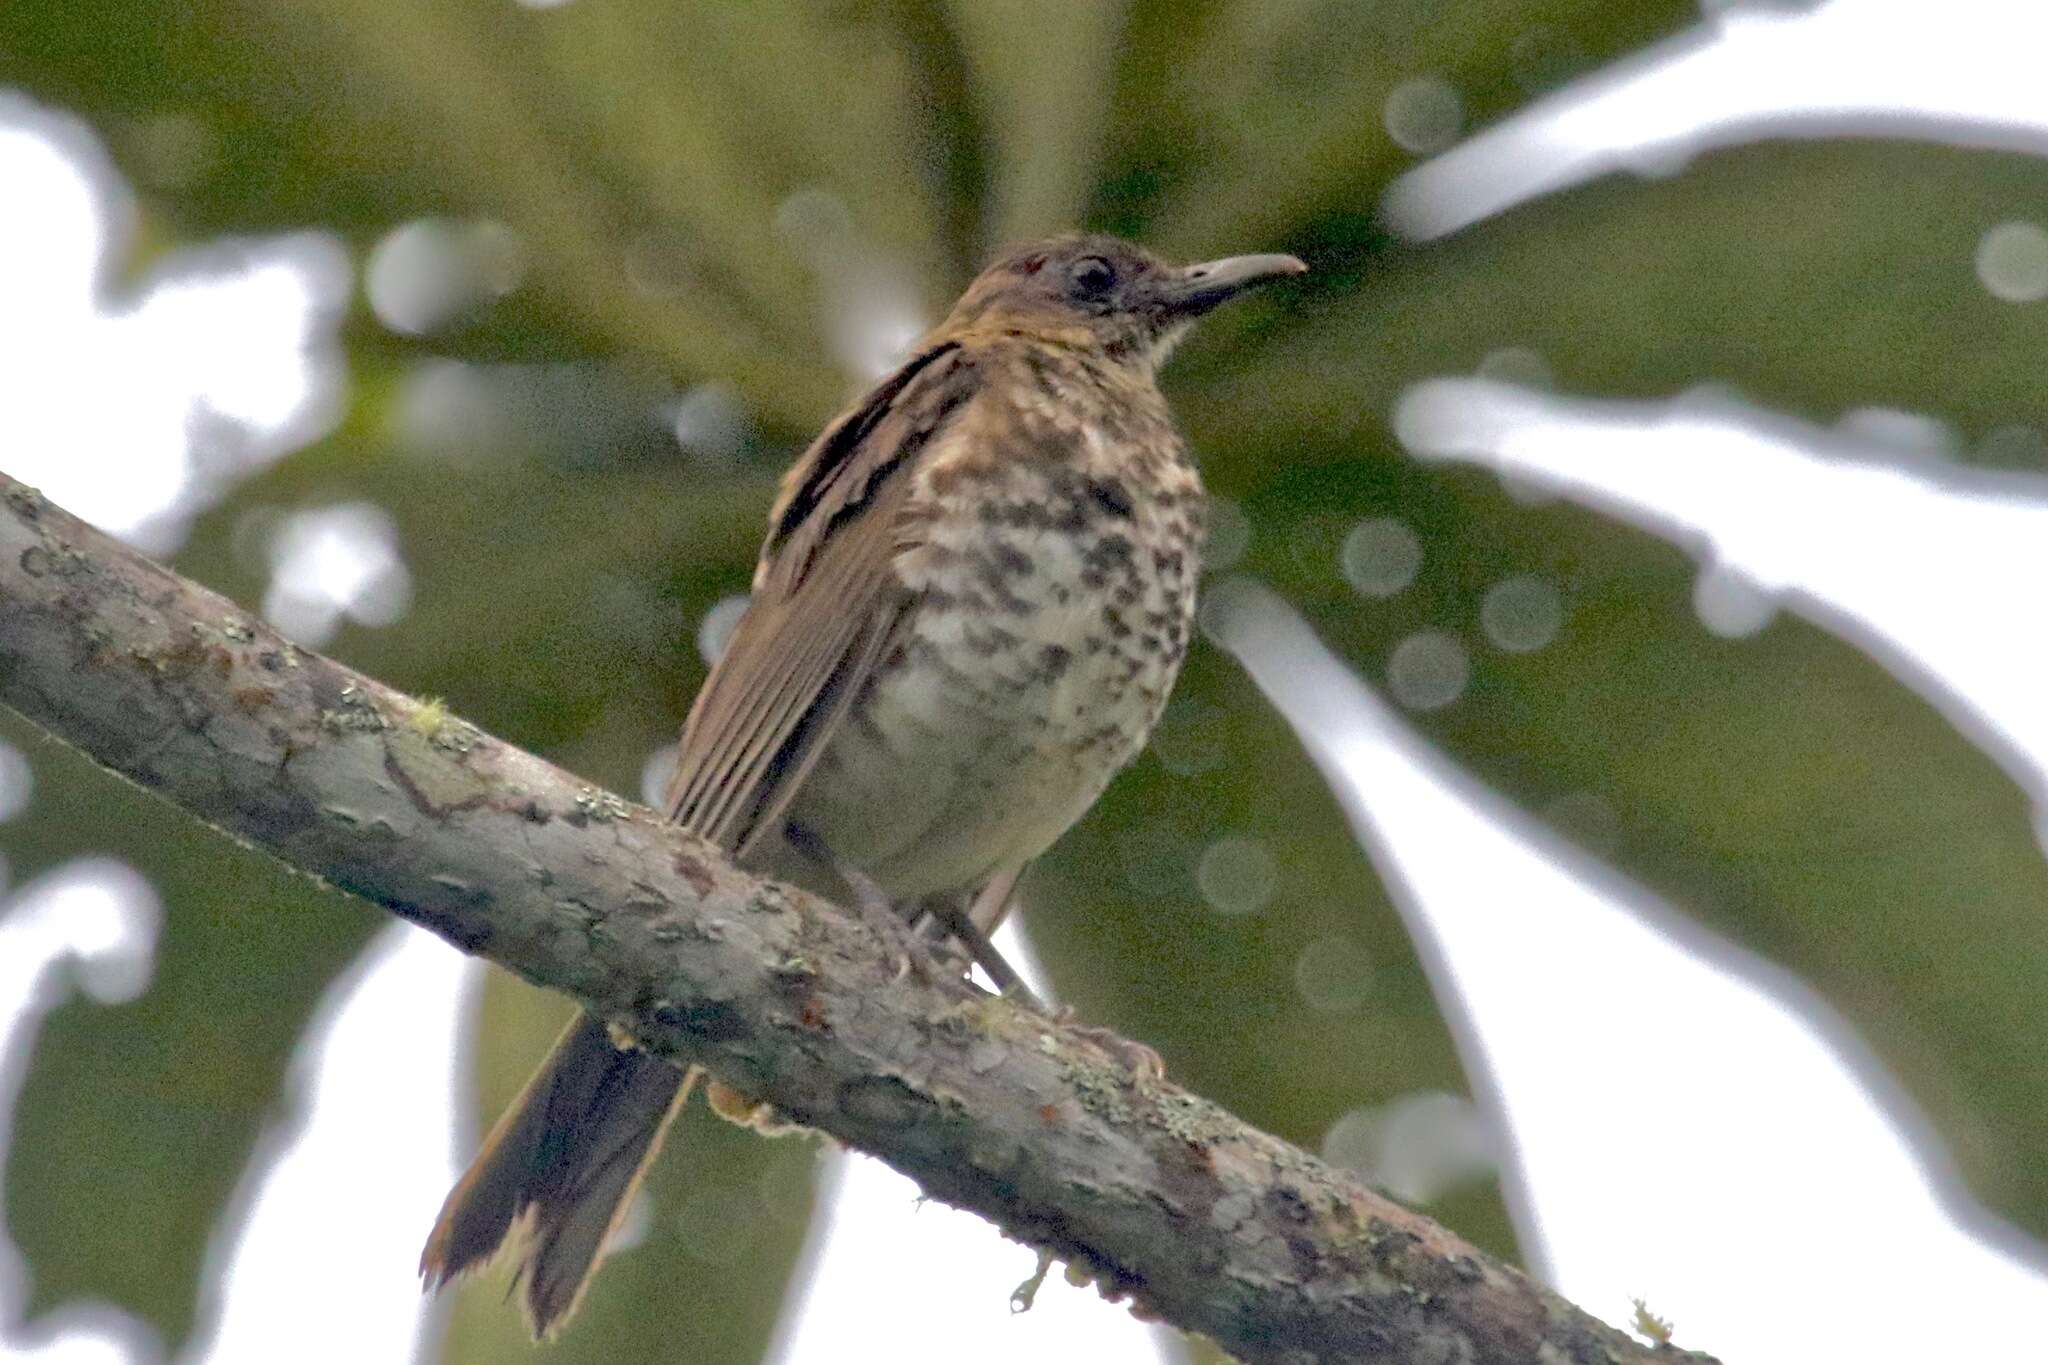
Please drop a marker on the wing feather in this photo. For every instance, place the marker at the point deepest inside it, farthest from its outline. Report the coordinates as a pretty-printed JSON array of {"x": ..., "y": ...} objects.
[{"x": 828, "y": 607}]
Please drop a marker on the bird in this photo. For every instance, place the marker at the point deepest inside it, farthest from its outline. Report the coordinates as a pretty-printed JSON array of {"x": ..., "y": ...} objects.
[{"x": 976, "y": 591}]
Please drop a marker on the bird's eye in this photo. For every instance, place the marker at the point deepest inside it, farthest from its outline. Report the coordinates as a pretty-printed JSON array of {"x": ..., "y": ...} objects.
[{"x": 1093, "y": 277}]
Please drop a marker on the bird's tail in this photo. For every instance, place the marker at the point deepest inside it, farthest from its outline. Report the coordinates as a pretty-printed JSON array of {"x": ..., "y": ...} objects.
[{"x": 561, "y": 1166}]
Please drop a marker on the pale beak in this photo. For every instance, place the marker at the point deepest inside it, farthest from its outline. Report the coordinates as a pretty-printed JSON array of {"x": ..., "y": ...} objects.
[{"x": 1193, "y": 290}]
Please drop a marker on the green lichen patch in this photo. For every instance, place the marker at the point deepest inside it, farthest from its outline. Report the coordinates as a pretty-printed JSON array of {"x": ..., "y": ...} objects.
[{"x": 354, "y": 713}]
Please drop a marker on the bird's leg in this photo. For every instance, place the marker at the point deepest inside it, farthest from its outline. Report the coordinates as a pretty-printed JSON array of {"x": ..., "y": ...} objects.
[
  {"x": 877, "y": 911},
  {"x": 912, "y": 952},
  {"x": 968, "y": 922},
  {"x": 958, "y": 922},
  {"x": 987, "y": 910},
  {"x": 930, "y": 921},
  {"x": 965, "y": 921}
]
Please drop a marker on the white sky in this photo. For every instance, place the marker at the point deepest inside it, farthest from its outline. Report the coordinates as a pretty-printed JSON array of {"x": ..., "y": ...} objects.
[{"x": 1780, "y": 1129}]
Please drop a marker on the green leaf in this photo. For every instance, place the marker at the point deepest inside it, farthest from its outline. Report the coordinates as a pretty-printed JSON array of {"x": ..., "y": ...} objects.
[
  {"x": 1803, "y": 275},
  {"x": 556, "y": 599},
  {"x": 1045, "y": 118},
  {"x": 1785, "y": 790},
  {"x": 1237, "y": 123},
  {"x": 137, "y": 1119},
  {"x": 1216, "y": 906}
]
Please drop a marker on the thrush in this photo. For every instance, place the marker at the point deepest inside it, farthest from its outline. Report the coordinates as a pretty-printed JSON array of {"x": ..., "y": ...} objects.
[{"x": 976, "y": 591}]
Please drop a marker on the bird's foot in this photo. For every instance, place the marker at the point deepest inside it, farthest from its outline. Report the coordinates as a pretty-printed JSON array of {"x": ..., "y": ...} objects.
[
  {"x": 1148, "y": 1064},
  {"x": 910, "y": 952}
]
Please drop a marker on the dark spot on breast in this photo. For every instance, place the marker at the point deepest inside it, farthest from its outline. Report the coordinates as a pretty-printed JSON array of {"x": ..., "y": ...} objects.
[
  {"x": 997, "y": 578},
  {"x": 1109, "y": 551},
  {"x": 1053, "y": 661},
  {"x": 991, "y": 641},
  {"x": 1112, "y": 497},
  {"x": 1012, "y": 560}
]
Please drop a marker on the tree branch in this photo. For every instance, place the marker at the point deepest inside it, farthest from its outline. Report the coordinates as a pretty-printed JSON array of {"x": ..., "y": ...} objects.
[{"x": 1157, "y": 1193}]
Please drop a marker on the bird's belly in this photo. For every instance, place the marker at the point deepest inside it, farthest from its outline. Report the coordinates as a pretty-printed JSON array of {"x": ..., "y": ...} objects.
[{"x": 1029, "y": 676}]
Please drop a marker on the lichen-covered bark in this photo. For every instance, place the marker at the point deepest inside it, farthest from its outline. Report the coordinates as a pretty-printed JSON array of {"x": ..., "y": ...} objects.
[{"x": 1158, "y": 1194}]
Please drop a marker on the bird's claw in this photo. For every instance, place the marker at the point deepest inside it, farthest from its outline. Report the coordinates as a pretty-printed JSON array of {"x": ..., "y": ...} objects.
[{"x": 1148, "y": 1064}]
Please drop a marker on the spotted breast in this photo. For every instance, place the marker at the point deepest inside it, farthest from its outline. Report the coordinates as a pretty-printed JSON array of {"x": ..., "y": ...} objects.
[{"x": 1061, "y": 527}]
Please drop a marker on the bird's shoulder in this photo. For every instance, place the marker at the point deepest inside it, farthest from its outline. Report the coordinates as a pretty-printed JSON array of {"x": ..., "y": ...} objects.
[
  {"x": 853, "y": 475},
  {"x": 967, "y": 407}
]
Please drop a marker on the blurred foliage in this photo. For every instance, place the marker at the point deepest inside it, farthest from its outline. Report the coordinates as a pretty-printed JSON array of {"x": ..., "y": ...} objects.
[
  {"x": 1783, "y": 788},
  {"x": 1800, "y": 274},
  {"x": 1118, "y": 912},
  {"x": 136, "y": 1120}
]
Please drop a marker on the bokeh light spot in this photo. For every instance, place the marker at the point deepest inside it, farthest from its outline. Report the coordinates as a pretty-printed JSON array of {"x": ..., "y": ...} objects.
[
  {"x": 1730, "y": 603},
  {"x": 1428, "y": 670},
  {"x": 1416, "y": 1148},
  {"x": 448, "y": 408},
  {"x": 873, "y": 309},
  {"x": 709, "y": 420},
  {"x": 2012, "y": 262},
  {"x": 715, "y": 630},
  {"x": 1230, "y": 534},
  {"x": 1423, "y": 114},
  {"x": 1237, "y": 875},
  {"x": 106, "y": 914},
  {"x": 17, "y": 781},
  {"x": 1521, "y": 614},
  {"x": 1381, "y": 556},
  {"x": 655, "y": 774},
  {"x": 331, "y": 563},
  {"x": 1520, "y": 365},
  {"x": 1333, "y": 974},
  {"x": 1432, "y": 1143},
  {"x": 428, "y": 273}
]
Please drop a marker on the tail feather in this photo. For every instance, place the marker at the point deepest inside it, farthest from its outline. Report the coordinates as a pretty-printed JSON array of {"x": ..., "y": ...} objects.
[{"x": 559, "y": 1169}]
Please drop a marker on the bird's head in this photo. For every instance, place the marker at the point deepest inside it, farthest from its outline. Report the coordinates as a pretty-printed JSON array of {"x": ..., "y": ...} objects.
[{"x": 1102, "y": 291}]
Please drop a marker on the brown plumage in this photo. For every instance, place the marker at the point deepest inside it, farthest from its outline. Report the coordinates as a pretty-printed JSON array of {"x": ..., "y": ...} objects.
[{"x": 976, "y": 591}]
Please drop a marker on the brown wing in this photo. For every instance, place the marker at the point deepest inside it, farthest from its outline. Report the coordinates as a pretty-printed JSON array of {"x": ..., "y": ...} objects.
[{"x": 827, "y": 606}]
